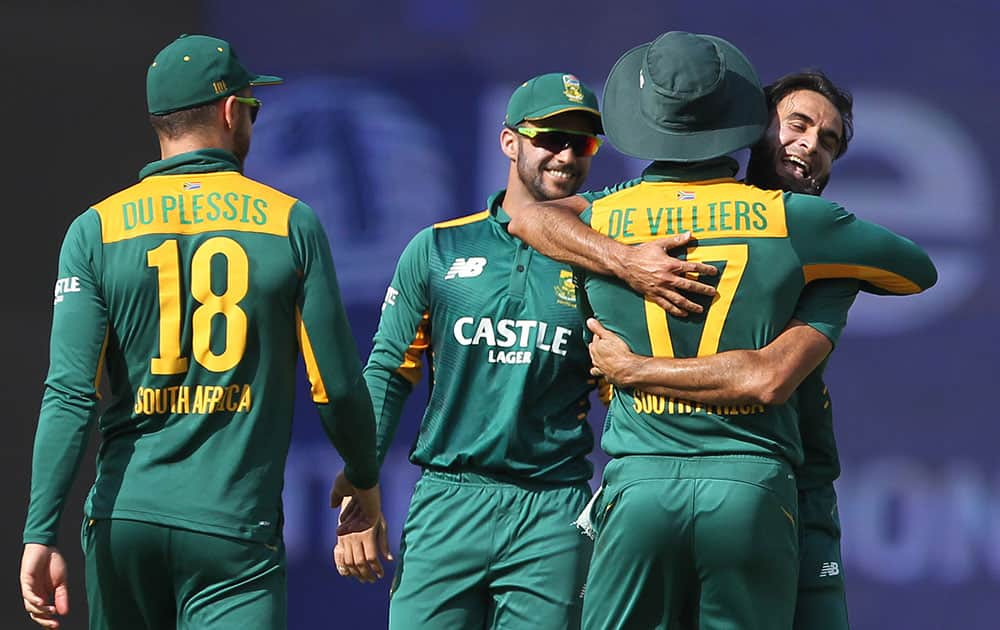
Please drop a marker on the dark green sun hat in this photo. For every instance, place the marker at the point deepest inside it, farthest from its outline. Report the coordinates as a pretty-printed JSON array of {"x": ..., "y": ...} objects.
[
  {"x": 196, "y": 69},
  {"x": 683, "y": 98}
]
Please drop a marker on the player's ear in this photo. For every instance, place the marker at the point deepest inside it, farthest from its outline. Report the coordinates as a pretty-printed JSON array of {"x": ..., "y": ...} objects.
[
  {"x": 508, "y": 142},
  {"x": 229, "y": 107}
]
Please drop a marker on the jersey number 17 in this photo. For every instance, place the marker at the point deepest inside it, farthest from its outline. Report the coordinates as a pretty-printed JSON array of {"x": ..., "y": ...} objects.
[{"x": 735, "y": 259}]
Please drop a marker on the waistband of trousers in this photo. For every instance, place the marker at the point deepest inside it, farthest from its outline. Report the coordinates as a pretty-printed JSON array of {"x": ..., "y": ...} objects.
[
  {"x": 743, "y": 467},
  {"x": 477, "y": 478}
]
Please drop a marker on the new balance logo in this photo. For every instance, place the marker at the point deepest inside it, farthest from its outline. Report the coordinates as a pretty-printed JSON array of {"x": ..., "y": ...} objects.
[
  {"x": 829, "y": 569},
  {"x": 466, "y": 268}
]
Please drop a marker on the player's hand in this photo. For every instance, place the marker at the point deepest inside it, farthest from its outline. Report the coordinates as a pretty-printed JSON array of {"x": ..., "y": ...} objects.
[
  {"x": 611, "y": 356},
  {"x": 661, "y": 278},
  {"x": 362, "y": 534},
  {"x": 43, "y": 584}
]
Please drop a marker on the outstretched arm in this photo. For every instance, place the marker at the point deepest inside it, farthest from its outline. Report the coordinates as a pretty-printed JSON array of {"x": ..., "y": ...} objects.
[
  {"x": 554, "y": 228},
  {"x": 766, "y": 376}
]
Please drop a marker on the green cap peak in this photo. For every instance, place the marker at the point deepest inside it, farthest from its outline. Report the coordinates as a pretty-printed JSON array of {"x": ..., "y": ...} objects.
[
  {"x": 194, "y": 70},
  {"x": 550, "y": 94}
]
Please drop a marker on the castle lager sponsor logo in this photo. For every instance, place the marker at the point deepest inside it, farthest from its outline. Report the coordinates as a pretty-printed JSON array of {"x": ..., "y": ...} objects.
[
  {"x": 64, "y": 286},
  {"x": 520, "y": 336}
]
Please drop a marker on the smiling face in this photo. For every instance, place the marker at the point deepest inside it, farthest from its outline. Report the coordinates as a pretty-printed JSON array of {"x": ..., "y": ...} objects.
[
  {"x": 545, "y": 175},
  {"x": 798, "y": 149}
]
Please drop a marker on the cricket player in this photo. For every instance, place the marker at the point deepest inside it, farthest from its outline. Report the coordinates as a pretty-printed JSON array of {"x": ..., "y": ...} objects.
[
  {"x": 713, "y": 482},
  {"x": 195, "y": 289},
  {"x": 503, "y": 443}
]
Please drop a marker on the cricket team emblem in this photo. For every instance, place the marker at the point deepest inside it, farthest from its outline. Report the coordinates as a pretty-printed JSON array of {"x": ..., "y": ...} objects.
[
  {"x": 572, "y": 89},
  {"x": 566, "y": 289}
]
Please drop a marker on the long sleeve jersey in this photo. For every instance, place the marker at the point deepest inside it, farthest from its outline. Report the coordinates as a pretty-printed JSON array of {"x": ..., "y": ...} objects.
[
  {"x": 768, "y": 246},
  {"x": 197, "y": 288}
]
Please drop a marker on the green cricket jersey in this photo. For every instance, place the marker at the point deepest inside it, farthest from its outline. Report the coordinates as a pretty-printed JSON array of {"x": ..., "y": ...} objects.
[
  {"x": 767, "y": 246},
  {"x": 197, "y": 287},
  {"x": 821, "y": 464},
  {"x": 510, "y": 378}
]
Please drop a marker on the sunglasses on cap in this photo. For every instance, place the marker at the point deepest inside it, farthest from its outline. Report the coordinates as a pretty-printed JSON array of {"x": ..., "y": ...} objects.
[
  {"x": 254, "y": 104},
  {"x": 556, "y": 140}
]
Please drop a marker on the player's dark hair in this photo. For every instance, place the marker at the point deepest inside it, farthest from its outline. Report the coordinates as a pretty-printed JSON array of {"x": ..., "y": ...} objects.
[
  {"x": 816, "y": 81},
  {"x": 176, "y": 124}
]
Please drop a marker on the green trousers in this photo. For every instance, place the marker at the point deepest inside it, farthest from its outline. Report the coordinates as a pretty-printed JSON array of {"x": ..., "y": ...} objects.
[
  {"x": 478, "y": 552},
  {"x": 822, "y": 602},
  {"x": 143, "y": 576},
  {"x": 694, "y": 542}
]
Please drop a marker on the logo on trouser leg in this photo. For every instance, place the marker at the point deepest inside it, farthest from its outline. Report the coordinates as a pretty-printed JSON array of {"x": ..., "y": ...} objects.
[{"x": 829, "y": 569}]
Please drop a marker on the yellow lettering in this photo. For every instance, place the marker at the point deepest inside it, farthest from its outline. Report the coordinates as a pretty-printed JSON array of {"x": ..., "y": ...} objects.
[
  {"x": 245, "y": 399},
  {"x": 148, "y": 401},
  {"x": 161, "y": 401},
  {"x": 214, "y": 399},
  {"x": 184, "y": 399},
  {"x": 231, "y": 392},
  {"x": 199, "y": 400}
]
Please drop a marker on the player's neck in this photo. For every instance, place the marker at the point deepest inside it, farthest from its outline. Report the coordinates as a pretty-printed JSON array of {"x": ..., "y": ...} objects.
[
  {"x": 517, "y": 196},
  {"x": 170, "y": 147}
]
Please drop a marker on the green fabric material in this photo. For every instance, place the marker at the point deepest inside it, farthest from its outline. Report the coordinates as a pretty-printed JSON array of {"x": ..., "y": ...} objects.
[
  {"x": 821, "y": 461},
  {"x": 683, "y": 97},
  {"x": 217, "y": 469},
  {"x": 551, "y": 94},
  {"x": 690, "y": 542},
  {"x": 478, "y": 553},
  {"x": 200, "y": 161},
  {"x": 824, "y": 305},
  {"x": 194, "y": 70},
  {"x": 505, "y": 342},
  {"x": 822, "y": 601},
  {"x": 765, "y": 299},
  {"x": 717, "y": 168},
  {"x": 140, "y": 575}
]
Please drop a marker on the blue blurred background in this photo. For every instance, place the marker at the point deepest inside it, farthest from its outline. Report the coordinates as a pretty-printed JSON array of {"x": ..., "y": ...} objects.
[{"x": 389, "y": 121}]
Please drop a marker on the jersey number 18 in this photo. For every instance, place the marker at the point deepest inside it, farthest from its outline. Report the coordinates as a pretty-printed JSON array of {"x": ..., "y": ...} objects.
[{"x": 166, "y": 260}]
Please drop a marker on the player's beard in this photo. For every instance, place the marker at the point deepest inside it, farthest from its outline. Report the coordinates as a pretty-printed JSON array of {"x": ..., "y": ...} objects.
[
  {"x": 763, "y": 172},
  {"x": 543, "y": 187}
]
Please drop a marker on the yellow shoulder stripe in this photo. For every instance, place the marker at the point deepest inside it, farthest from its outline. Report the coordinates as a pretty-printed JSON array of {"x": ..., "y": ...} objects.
[
  {"x": 472, "y": 218},
  {"x": 894, "y": 283}
]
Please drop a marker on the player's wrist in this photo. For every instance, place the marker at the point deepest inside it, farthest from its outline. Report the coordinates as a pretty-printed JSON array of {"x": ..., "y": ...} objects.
[{"x": 615, "y": 258}]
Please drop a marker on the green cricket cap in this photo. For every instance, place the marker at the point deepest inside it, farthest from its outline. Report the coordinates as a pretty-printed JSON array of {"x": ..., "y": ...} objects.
[
  {"x": 196, "y": 69},
  {"x": 550, "y": 94}
]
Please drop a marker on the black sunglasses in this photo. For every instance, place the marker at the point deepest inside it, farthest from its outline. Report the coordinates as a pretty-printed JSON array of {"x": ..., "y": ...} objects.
[{"x": 556, "y": 140}]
